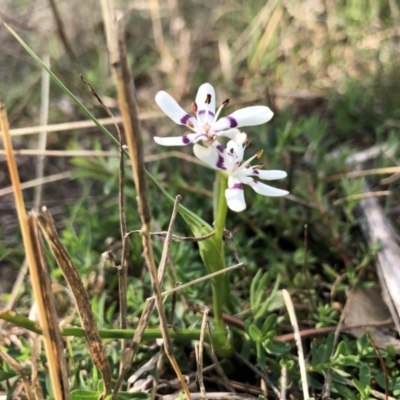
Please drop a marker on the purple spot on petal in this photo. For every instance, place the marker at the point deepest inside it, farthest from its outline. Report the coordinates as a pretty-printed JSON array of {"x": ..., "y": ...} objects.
[
  {"x": 185, "y": 119},
  {"x": 204, "y": 111},
  {"x": 237, "y": 186},
  {"x": 256, "y": 182},
  {"x": 220, "y": 148},
  {"x": 185, "y": 139},
  {"x": 256, "y": 171},
  {"x": 232, "y": 122},
  {"x": 221, "y": 162}
]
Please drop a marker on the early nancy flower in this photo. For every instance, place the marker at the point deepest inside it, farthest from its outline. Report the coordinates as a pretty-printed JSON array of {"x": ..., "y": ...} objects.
[
  {"x": 229, "y": 160},
  {"x": 206, "y": 126}
]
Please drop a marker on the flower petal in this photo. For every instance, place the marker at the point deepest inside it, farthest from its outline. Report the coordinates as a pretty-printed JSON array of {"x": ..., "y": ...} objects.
[
  {"x": 205, "y": 101},
  {"x": 210, "y": 156},
  {"x": 235, "y": 197},
  {"x": 248, "y": 116},
  {"x": 263, "y": 189},
  {"x": 268, "y": 175},
  {"x": 180, "y": 140},
  {"x": 171, "y": 108}
]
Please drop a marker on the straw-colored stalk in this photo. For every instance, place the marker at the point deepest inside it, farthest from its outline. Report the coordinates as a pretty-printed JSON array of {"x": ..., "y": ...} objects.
[{"x": 53, "y": 363}]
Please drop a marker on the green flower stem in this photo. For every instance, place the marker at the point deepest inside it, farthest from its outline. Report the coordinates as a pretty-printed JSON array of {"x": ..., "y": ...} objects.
[
  {"x": 222, "y": 210},
  {"x": 213, "y": 256},
  {"x": 178, "y": 334}
]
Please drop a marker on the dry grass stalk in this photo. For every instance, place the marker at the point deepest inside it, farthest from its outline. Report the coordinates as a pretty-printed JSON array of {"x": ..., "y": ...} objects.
[
  {"x": 122, "y": 271},
  {"x": 44, "y": 114},
  {"x": 360, "y": 174},
  {"x": 35, "y": 182},
  {"x": 61, "y": 31},
  {"x": 14, "y": 364},
  {"x": 50, "y": 309},
  {"x": 199, "y": 354},
  {"x": 81, "y": 298},
  {"x": 127, "y": 104},
  {"x": 295, "y": 325},
  {"x": 68, "y": 126},
  {"x": 57, "y": 384}
]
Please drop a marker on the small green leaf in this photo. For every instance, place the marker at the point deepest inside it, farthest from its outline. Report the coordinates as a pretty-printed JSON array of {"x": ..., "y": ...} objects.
[
  {"x": 80, "y": 394},
  {"x": 255, "y": 333},
  {"x": 359, "y": 386},
  {"x": 276, "y": 347},
  {"x": 365, "y": 375},
  {"x": 328, "y": 347},
  {"x": 344, "y": 391},
  {"x": 269, "y": 324}
]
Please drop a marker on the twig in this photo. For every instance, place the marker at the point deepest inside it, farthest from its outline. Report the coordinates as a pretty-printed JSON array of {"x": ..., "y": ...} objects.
[
  {"x": 35, "y": 182},
  {"x": 123, "y": 271},
  {"x": 176, "y": 238},
  {"x": 382, "y": 362},
  {"x": 203, "y": 278},
  {"x": 360, "y": 174},
  {"x": 361, "y": 196},
  {"x": 199, "y": 355},
  {"x": 306, "y": 271},
  {"x": 68, "y": 126},
  {"x": 44, "y": 116},
  {"x": 293, "y": 321},
  {"x": 259, "y": 373},
  {"x": 61, "y": 31}
]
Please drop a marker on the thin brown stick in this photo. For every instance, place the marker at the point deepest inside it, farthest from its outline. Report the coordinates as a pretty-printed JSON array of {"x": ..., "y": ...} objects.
[
  {"x": 50, "y": 309},
  {"x": 35, "y": 182},
  {"x": 123, "y": 271},
  {"x": 199, "y": 354},
  {"x": 44, "y": 116},
  {"x": 360, "y": 174},
  {"x": 127, "y": 104},
  {"x": 382, "y": 362},
  {"x": 23, "y": 221},
  {"x": 176, "y": 238},
  {"x": 61, "y": 31},
  {"x": 259, "y": 373},
  {"x": 68, "y": 126}
]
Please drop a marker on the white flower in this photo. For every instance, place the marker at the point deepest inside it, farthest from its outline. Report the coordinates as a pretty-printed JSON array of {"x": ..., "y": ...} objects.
[
  {"x": 229, "y": 160},
  {"x": 206, "y": 126}
]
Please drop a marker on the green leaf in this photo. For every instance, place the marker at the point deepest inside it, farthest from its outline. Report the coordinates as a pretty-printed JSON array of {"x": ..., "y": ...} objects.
[
  {"x": 328, "y": 347},
  {"x": 255, "y": 333},
  {"x": 365, "y": 374},
  {"x": 261, "y": 356},
  {"x": 344, "y": 391},
  {"x": 359, "y": 386},
  {"x": 269, "y": 324},
  {"x": 7, "y": 375},
  {"x": 276, "y": 347},
  {"x": 80, "y": 394},
  {"x": 262, "y": 311}
]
